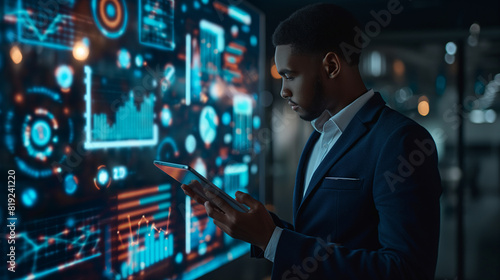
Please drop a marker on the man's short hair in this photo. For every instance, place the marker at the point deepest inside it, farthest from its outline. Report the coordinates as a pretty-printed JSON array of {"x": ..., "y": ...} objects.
[{"x": 319, "y": 28}]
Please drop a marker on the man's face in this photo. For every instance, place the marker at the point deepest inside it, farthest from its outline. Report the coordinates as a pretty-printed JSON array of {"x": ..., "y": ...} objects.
[{"x": 302, "y": 85}]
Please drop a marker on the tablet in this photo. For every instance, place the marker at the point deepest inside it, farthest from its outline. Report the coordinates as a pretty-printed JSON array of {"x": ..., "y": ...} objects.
[{"x": 184, "y": 174}]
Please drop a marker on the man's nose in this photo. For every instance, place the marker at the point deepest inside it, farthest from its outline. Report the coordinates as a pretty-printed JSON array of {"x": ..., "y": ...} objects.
[{"x": 285, "y": 92}]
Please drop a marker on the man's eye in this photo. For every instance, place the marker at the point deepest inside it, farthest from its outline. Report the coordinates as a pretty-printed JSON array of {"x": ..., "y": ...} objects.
[{"x": 288, "y": 78}]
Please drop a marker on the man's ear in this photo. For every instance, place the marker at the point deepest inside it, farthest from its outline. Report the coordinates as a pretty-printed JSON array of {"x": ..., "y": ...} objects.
[{"x": 331, "y": 64}]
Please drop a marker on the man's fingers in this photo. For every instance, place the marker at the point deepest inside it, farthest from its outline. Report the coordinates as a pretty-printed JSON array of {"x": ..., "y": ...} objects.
[
  {"x": 213, "y": 212},
  {"x": 219, "y": 202},
  {"x": 247, "y": 199},
  {"x": 189, "y": 191}
]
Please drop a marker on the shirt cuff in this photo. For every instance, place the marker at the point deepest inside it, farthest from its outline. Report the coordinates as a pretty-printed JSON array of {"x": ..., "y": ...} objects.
[{"x": 270, "y": 251}]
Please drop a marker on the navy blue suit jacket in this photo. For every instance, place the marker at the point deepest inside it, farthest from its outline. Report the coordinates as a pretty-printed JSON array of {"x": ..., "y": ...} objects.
[{"x": 371, "y": 210}]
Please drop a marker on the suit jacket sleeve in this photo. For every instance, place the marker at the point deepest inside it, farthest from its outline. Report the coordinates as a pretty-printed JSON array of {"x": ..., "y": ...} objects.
[
  {"x": 406, "y": 191},
  {"x": 255, "y": 251}
]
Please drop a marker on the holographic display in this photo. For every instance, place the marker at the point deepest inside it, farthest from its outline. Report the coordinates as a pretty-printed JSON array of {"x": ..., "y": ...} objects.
[
  {"x": 52, "y": 29},
  {"x": 92, "y": 92}
]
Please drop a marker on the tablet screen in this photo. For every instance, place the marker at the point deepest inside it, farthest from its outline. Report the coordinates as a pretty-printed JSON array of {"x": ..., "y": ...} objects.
[{"x": 184, "y": 175}]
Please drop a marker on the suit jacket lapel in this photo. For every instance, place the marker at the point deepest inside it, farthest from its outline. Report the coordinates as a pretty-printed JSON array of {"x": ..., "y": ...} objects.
[
  {"x": 355, "y": 130},
  {"x": 301, "y": 171}
]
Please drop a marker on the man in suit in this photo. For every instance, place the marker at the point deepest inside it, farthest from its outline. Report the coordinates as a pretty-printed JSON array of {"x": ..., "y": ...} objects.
[{"x": 366, "y": 198}]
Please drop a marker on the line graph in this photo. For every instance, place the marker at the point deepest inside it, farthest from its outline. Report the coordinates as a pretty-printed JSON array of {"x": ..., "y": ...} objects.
[
  {"x": 38, "y": 27},
  {"x": 54, "y": 244},
  {"x": 143, "y": 235}
]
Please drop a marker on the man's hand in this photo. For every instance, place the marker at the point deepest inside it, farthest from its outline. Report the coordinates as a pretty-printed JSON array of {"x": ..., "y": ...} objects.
[{"x": 255, "y": 227}]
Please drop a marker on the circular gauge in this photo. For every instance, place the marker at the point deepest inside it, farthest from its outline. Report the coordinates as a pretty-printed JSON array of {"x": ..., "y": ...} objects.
[
  {"x": 102, "y": 180},
  {"x": 208, "y": 124},
  {"x": 38, "y": 132},
  {"x": 110, "y": 17}
]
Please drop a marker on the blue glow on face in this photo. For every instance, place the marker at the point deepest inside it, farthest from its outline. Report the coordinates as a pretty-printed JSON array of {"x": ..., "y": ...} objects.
[
  {"x": 123, "y": 58},
  {"x": 253, "y": 41},
  {"x": 256, "y": 122},
  {"x": 102, "y": 177},
  {"x": 29, "y": 197},
  {"x": 226, "y": 118},
  {"x": 190, "y": 143},
  {"x": 178, "y": 257},
  {"x": 41, "y": 133},
  {"x": 70, "y": 184},
  {"x": 64, "y": 76}
]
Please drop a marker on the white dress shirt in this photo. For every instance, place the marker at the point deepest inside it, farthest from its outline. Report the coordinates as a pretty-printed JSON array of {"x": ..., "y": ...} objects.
[{"x": 330, "y": 127}]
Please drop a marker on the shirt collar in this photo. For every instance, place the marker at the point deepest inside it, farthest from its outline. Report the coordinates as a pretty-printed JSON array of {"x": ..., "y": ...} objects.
[{"x": 343, "y": 117}]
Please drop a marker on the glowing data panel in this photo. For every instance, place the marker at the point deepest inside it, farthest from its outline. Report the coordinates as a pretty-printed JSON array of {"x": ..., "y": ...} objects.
[
  {"x": 211, "y": 46},
  {"x": 235, "y": 178},
  {"x": 144, "y": 236},
  {"x": 131, "y": 127},
  {"x": 156, "y": 23},
  {"x": 242, "y": 115},
  {"x": 91, "y": 93},
  {"x": 49, "y": 246},
  {"x": 51, "y": 29}
]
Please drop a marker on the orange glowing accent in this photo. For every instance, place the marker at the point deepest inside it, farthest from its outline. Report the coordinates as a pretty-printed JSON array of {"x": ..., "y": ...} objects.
[
  {"x": 65, "y": 90},
  {"x": 138, "y": 193},
  {"x": 111, "y": 23},
  {"x": 130, "y": 236},
  {"x": 16, "y": 55},
  {"x": 128, "y": 205},
  {"x": 66, "y": 110},
  {"x": 423, "y": 106},
  {"x": 274, "y": 72},
  {"x": 203, "y": 98},
  {"x": 398, "y": 67},
  {"x": 81, "y": 50},
  {"x": 19, "y": 98},
  {"x": 95, "y": 181},
  {"x": 138, "y": 212}
]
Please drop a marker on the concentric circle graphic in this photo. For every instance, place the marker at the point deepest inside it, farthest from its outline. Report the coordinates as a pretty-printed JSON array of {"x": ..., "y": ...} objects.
[{"x": 110, "y": 16}]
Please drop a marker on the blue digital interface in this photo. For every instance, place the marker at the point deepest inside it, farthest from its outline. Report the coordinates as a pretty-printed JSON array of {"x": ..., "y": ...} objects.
[{"x": 92, "y": 92}]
